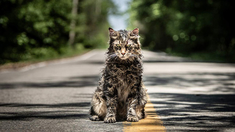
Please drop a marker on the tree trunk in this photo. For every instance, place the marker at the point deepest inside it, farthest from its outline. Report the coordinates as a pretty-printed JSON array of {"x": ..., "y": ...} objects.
[{"x": 73, "y": 23}]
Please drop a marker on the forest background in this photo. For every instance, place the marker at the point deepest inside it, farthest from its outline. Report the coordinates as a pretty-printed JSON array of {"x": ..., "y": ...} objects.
[{"x": 38, "y": 30}]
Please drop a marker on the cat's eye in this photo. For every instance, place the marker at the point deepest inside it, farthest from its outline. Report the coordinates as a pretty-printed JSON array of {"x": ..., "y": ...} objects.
[
  {"x": 128, "y": 45},
  {"x": 118, "y": 46}
]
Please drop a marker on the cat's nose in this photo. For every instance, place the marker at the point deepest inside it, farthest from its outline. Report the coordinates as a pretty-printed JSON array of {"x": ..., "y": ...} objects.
[{"x": 123, "y": 53}]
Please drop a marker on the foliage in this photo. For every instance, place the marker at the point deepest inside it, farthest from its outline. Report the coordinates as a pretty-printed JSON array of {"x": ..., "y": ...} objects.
[
  {"x": 186, "y": 27},
  {"x": 38, "y": 28}
]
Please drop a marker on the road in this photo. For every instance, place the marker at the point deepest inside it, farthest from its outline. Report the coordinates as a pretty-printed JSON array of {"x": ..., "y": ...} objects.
[{"x": 55, "y": 97}]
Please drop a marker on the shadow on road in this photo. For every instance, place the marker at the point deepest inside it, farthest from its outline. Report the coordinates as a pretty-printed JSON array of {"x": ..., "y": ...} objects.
[
  {"x": 211, "y": 110},
  {"x": 41, "y": 115},
  {"x": 34, "y": 111},
  {"x": 195, "y": 112},
  {"x": 75, "y": 82},
  {"x": 23, "y": 111},
  {"x": 212, "y": 82}
]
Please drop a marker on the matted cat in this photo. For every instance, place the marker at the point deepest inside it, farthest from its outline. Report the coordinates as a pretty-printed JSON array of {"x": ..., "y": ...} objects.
[{"x": 120, "y": 94}]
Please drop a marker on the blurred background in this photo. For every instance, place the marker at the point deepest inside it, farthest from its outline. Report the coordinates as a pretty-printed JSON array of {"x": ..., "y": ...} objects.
[{"x": 37, "y": 30}]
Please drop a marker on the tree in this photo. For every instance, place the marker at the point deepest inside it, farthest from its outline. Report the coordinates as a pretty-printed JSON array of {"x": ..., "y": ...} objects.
[
  {"x": 41, "y": 28},
  {"x": 73, "y": 22},
  {"x": 186, "y": 26}
]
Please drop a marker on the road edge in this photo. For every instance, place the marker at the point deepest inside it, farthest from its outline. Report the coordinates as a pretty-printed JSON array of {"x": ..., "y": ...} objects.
[{"x": 28, "y": 66}]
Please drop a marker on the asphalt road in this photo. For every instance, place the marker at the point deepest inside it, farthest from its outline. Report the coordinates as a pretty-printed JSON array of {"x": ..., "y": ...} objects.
[{"x": 54, "y": 97}]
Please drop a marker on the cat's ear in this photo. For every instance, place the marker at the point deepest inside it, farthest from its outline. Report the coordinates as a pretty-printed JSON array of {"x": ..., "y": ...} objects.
[
  {"x": 134, "y": 34},
  {"x": 112, "y": 33},
  {"x": 135, "y": 31}
]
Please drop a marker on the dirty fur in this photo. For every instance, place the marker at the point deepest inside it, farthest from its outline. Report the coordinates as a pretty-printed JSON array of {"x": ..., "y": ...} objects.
[{"x": 120, "y": 94}]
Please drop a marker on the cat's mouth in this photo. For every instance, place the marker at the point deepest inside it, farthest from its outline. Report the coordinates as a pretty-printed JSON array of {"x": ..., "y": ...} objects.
[{"x": 123, "y": 57}]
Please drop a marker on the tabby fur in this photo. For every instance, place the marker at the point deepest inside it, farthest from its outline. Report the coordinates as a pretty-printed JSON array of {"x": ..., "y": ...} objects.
[{"x": 120, "y": 94}]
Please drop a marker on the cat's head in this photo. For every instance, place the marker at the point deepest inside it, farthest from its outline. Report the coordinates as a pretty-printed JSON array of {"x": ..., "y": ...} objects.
[{"x": 124, "y": 44}]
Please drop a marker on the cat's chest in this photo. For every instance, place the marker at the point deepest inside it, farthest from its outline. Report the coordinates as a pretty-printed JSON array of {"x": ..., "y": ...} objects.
[
  {"x": 124, "y": 75},
  {"x": 123, "y": 91},
  {"x": 124, "y": 87},
  {"x": 125, "y": 78}
]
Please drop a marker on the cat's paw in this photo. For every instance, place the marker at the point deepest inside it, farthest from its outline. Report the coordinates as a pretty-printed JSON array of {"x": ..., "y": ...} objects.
[
  {"x": 94, "y": 118},
  {"x": 110, "y": 120},
  {"x": 132, "y": 119}
]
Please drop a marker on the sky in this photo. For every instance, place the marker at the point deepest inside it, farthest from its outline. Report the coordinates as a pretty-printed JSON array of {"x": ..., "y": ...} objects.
[{"x": 119, "y": 22}]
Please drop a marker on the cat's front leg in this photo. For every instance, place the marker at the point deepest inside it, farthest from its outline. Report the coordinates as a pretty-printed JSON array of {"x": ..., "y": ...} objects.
[
  {"x": 111, "y": 110},
  {"x": 131, "y": 110}
]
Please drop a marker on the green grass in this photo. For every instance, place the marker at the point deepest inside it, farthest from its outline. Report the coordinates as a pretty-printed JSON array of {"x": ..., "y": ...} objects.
[
  {"x": 44, "y": 54},
  {"x": 51, "y": 54},
  {"x": 206, "y": 56}
]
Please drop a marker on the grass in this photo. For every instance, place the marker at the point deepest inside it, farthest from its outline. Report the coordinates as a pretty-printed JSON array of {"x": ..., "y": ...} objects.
[
  {"x": 44, "y": 54},
  {"x": 206, "y": 56}
]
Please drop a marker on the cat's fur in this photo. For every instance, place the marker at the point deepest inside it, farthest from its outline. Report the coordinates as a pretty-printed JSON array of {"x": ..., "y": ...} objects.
[{"x": 120, "y": 94}]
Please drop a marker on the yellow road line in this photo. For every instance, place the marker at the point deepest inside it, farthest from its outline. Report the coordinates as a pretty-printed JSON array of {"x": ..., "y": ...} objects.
[{"x": 151, "y": 123}]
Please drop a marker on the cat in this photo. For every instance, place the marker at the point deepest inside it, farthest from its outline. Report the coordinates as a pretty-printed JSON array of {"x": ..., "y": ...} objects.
[{"x": 120, "y": 94}]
